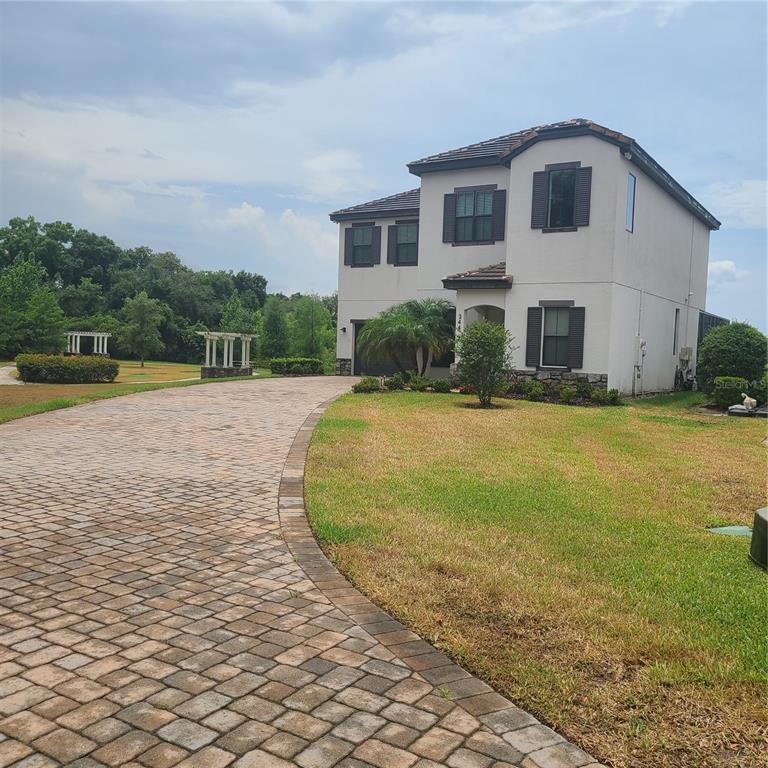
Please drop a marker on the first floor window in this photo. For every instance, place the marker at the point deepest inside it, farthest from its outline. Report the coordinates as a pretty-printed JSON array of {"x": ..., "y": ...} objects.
[
  {"x": 562, "y": 198},
  {"x": 362, "y": 245},
  {"x": 473, "y": 216},
  {"x": 407, "y": 243},
  {"x": 555, "y": 350}
]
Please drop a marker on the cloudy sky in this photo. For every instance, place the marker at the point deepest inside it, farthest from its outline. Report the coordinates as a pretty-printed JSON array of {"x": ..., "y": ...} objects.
[{"x": 227, "y": 132}]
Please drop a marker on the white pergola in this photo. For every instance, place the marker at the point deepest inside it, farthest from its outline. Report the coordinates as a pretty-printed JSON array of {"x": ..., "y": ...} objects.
[
  {"x": 100, "y": 341},
  {"x": 228, "y": 360}
]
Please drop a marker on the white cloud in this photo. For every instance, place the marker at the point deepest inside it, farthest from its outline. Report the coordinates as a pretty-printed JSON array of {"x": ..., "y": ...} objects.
[
  {"x": 244, "y": 217},
  {"x": 724, "y": 271},
  {"x": 670, "y": 11},
  {"x": 738, "y": 204}
]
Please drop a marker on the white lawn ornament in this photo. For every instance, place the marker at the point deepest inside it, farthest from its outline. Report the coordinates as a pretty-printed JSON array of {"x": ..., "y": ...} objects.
[{"x": 749, "y": 402}]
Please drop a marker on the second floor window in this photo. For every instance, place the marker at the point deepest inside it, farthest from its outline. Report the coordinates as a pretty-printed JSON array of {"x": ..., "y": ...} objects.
[
  {"x": 474, "y": 212},
  {"x": 562, "y": 198},
  {"x": 407, "y": 243},
  {"x": 556, "y": 326},
  {"x": 362, "y": 245}
]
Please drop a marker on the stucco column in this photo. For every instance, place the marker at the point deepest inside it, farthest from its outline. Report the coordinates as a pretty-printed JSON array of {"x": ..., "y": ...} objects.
[
  {"x": 97, "y": 344},
  {"x": 77, "y": 343},
  {"x": 213, "y": 351},
  {"x": 106, "y": 344},
  {"x": 207, "y": 352}
]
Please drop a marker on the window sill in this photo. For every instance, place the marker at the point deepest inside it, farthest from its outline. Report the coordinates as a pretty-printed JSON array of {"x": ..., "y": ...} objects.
[
  {"x": 561, "y": 368},
  {"x": 548, "y": 230},
  {"x": 409, "y": 264},
  {"x": 360, "y": 266},
  {"x": 475, "y": 242}
]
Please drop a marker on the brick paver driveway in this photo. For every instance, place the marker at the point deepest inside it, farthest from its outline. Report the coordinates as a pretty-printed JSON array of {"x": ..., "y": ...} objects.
[{"x": 156, "y": 608}]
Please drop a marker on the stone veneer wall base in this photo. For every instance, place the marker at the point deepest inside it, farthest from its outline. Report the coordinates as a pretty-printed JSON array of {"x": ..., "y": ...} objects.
[
  {"x": 343, "y": 366},
  {"x": 597, "y": 380},
  {"x": 540, "y": 746}
]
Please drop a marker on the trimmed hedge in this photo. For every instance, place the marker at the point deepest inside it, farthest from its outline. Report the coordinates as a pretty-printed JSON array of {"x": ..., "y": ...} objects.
[
  {"x": 726, "y": 390},
  {"x": 296, "y": 366},
  {"x": 57, "y": 369}
]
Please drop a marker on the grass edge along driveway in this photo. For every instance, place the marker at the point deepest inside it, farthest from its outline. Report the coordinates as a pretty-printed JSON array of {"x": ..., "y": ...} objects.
[
  {"x": 18, "y": 402},
  {"x": 561, "y": 553}
]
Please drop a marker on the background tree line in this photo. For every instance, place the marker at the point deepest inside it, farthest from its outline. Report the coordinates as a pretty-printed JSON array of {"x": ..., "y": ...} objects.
[{"x": 54, "y": 277}]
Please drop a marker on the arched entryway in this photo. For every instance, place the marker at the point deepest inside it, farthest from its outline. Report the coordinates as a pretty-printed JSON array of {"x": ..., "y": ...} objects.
[{"x": 483, "y": 312}]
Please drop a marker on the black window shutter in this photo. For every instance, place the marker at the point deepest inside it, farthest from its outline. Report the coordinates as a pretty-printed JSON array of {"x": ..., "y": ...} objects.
[
  {"x": 576, "y": 337},
  {"x": 376, "y": 246},
  {"x": 533, "y": 338},
  {"x": 449, "y": 218},
  {"x": 539, "y": 200},
  {"x": 499, "y": 214},
  {"x": 392, "y": 244},
  {"x": 348, "y": 243},
  {"x": 583, "y": 196}
]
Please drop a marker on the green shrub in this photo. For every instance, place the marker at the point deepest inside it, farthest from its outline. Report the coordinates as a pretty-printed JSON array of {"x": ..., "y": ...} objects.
[
  {"x": 736, "y": 349},
  {"x": 567, "y": 394},
  {"x": 614, "y": 397},
  {"x": 485, "y": 356},
  {"x": 441, "y": 385},
  {"x": 395, "y": 382},
  {"x": 296, "y": 366},
  {"x": 367, "y": 384},
  {"x": 759, "y": 390},
  {"x": 57, "y": 369},
  {"x": 419, "y": 383},
  {"x": 536, "y": 390},
  {"x": 600, "y": 396},
  {"x": 584, "y": 390},
  {"x": 726, "y": 390},
  {"x": 552, "y": 389},
  {"x": 518, "y": 387}
]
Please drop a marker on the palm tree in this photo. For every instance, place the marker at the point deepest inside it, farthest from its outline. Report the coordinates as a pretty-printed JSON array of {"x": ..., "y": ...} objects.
[{"x": 418, "y": 329}]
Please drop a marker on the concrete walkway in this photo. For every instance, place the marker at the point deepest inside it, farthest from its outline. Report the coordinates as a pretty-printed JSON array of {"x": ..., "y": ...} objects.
[
  {"x": 7, "y": 377},
  {"x": 162, "y": 603}
]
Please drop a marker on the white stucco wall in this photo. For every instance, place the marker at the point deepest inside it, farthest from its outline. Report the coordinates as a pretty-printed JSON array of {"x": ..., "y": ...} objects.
[{"x": 629, "y": 283}]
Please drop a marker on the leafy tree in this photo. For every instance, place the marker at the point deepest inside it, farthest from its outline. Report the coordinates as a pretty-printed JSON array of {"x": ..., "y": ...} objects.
[
  {"x": 235, "y": 317},
  {"x": 252, "y": 289},
  {"x": 275, "y": 338},
  {"x": 81, "y": 300},
  {"x": 485, "y": 355},
  {"x": 413, "y": 331},
  {"x": 30, "y": 317},
  {"x": 141, "y": 332},
  {"x": 737, "y": 349},
  {"x": 312, "y": 331}
]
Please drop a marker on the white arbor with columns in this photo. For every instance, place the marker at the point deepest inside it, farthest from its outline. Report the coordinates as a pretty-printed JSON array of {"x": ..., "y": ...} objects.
[
  {"x": 228, "y": 354},
  {"x": 100, "y": 341}
]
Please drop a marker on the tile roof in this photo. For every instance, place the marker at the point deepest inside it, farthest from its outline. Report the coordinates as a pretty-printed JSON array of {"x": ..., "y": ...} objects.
[
  {"x": 401, "y": 203},
  {"x": 500, "y": 146},
  {"x": 494, "y": 275},
  {"x": 501, "y": 149}
]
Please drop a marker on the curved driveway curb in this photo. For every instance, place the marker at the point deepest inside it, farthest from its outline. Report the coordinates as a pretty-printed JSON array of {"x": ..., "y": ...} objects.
[
  {"x": 491, "y": 723},
  {"x": 163, "y": 604}
]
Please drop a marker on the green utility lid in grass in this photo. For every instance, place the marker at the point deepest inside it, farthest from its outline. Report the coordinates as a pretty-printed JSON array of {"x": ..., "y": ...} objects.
[{"x": 732, "y": 530}]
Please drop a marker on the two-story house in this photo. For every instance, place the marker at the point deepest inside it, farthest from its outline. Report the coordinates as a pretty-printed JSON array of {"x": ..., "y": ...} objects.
[{"x": 570, "y": 234}]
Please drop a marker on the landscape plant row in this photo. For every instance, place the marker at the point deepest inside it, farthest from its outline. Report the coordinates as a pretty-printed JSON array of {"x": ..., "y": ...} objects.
[
  {"x": 296, "y": 366},
  {"x": 58, "y": 369},
  {"x": 582, "y": 393}
]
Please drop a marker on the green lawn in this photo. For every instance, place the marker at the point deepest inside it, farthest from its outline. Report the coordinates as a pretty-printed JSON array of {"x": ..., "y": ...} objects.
[{"x": 562, "y": 553}]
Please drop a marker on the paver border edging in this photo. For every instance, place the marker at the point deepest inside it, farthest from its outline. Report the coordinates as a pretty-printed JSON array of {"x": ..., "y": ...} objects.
[{"x": 542, "y": 747}]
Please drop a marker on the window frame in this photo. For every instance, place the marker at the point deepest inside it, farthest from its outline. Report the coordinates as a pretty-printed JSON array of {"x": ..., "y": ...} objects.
[
  {"x": 676, "y": 332},
  {"x": 552, "y": 173},
  {"x": 355, "y": 261},
  {"x": 560, "y": 308},
  {"x": 629, "y": 221},
  {"x": 399, "y": 262},
  {"x": 476, "y": 220}
]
